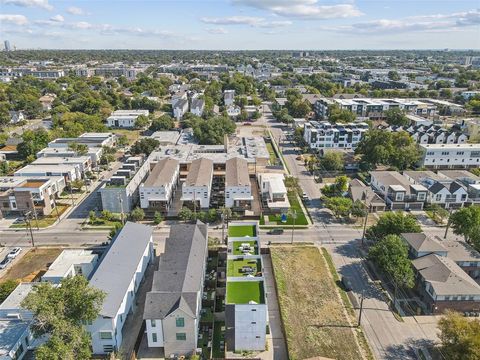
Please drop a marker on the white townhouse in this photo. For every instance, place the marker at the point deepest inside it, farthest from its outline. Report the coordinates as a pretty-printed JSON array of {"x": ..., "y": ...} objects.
[
  {"x": 274, "y": 192},
  {"x": 16, "y": 116},
  {"x": 69, "y": 263},
  {"x": 197, "y": 106},
  {"x": 156, "y": 193},
  {"x": 182, "y": 95},
  {"x": 442, "y": 190},
  {"x": 197, "y": 187},
  {"x": 172, "y": 307},
  {"x": 68, "y": 172},
  {"x": 238, "y": 189},
  {"x": 229, "y": 97},
  {"x": 180, "y": 109},
  {"x": 119, "y": 275},
  {"x": 450, "y": 156},
  {"x": 125, "y": 118},
  {"x": 321, "y": 135},
  {"x": 431, "y": 134}
]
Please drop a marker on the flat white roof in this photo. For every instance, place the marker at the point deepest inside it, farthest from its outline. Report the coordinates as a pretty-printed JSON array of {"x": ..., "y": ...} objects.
[
  {"x": 67, "y": 258},
  {"x": 276, "y": 182}
]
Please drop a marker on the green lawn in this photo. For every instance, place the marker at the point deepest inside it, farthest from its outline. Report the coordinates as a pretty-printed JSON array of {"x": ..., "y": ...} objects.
[
  {"x": 242, "y": 230},
  {"x": 242, "y": 292},
  {"x": 294, "y": 205},
  {"x": 237, "y": 244},
  {"x": 234, "y": 267},
  {"x": 273, "y": 155},
  {"x": 43, "y": 221}
]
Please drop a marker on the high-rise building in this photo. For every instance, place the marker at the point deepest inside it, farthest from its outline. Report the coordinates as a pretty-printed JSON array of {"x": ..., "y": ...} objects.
[{"x": 7, "y": 45}]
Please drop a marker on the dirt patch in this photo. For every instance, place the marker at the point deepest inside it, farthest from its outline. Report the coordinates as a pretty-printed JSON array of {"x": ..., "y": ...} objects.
[
  {"x": 32, "y": 264},
  {"x": 314, "y": 318}
]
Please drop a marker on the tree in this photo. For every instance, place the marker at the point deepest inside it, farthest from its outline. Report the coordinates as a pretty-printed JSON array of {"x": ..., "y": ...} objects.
[
  {"x": 358, "y": 209},
  {"x": 141, "y": 122},
  {"x": 185, "y": 214},
  {"x": 164, "y": 122},
  {"x": 396, "y": 117},
  {"x": 332, "y": 161},
  {"x": 78, "y": 149},
  {"x": 144, "y": 146},
  {"x": 338, "y": 115},
  {"x": 157, "y": 218},
  {"x": 77, "y": 184},
  {"x": 137, "y": 214},
  {"x": 92, "y": 216},
  {"x": 340, "y": 206},
  {"x": 292, "y": 183},
  {"x": 438, "y": 212},
  {"x": 393, "y": 75},
  {"x": 337, "y": 188},
  {"x": 466, "y": 222},
  {"x": 213, "y": 130},
  {"x": 6, "y": 289},
  {"x": 390, "y": 254},
  {"x": 459, "y": 337},
  {"x": 393, "y": 223},
  {"x": 33, "y": 142},
  {"x": 60, "y": 312}
]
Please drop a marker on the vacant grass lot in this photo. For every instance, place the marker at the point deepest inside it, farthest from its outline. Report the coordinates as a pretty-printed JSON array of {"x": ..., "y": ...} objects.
[
  {"x": 313, "y": 315},
  {"x": 33, "y": 262},
  {"x": 44, "y": 221},
  {"x": 273, "y": 155}
]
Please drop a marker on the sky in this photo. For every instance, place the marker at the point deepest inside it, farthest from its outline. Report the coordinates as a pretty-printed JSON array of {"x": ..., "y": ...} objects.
[{"x": 241, "y": 24}]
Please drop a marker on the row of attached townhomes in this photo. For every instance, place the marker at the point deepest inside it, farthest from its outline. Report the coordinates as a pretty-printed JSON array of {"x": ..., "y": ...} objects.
[
  {"x": 173, "y": 305},
  {"x": 125, "y": 118},
  {"x": 197, "y": 188},
  {"x": 246, "y": 314},
  {"x": 119, "y": 274},
  {"x": 238, "y": 189},
  {"x": 375, "y": 109},
  {"x": 447, "y": 273},
  {"x": 450, "y": 156},
  {"x": 181, "y": 105},
  {"x": 451, "y": 189},
  {"x": 16, "y": 334},
  {"x": 431, "y": 134},
  {"x": 321, "y": 135}
]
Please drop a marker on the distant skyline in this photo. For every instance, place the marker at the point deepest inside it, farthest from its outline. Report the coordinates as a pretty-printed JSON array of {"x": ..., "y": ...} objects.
[{"x": 241, "y": 24}]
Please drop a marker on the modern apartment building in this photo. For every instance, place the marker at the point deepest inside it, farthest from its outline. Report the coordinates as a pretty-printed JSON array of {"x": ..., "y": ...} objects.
[
  {"x": 450, "y": 156},
  {"x": 246, "y": 312},
  {"x": 120, "y": 193},
  {"x": 156, "y": 193},
  {"x": 119, "y": 274},
  {"x": 238, "y": 189},
  {"x": 197, "y": 187},
  {"x": 321, "y": 135},
  {"x": 67, "y": 171},
  {"x": 172, "y": 307},
  {"x": 82, "y": 164},
  {"x": 397, "y": 192},
  {"x": 273, "y": 191},
  {"x": 374, "y": 109}
]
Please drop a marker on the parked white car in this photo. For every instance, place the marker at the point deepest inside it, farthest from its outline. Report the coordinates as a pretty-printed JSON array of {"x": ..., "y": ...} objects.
[{"x": 14, "y": 252}]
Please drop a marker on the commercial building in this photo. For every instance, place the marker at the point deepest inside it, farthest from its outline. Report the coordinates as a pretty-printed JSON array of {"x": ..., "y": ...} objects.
[
  {"x": 125, "y": 118},
  {"x": 246, "y": 314},
  {"x": 238, "y": 189},
  {"x": 320, "y": 135},
  {"x": 197, "y": 187},
  {"x": 120, "y": 193},
  {"x": 172, "y": 307},
  {"x": 156, "y": 193},
  {"x": 449, "y": 156},
  {"x": 397, "y": 192},
  {"x": 119, "y": 275},
  {"x": 273, "y": 191},
  {"x": 69, "y": 263}
]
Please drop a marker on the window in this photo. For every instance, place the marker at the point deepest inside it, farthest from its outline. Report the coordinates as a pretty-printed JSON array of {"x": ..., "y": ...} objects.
[
  {"x": 153, "y": 323},
  {"x": 154, "y": 337},
  {"x": 181, "y": 336},
  {"x": 19, "y": 352},
  {"x": 180, "y": 322},
  {"x": 108, "y": 348},
  {"x": 105, "y": 335},
  {"x": 438, "y": 197}
]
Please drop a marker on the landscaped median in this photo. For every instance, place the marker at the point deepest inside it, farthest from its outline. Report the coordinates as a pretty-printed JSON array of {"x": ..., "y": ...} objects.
[{"x": 314, "y": 318}]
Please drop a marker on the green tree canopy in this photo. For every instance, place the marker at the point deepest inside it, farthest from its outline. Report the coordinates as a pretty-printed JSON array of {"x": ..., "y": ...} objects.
[
  {"x": 396, "y": 117},
  {"x": 332, "y": 161},
  {"x": 466, "y": 222},
  {"x": 459, "y": 337},
  {"x": 6, "y": 289},
  {"x": 60, "y": 312},
  {"x": 340, "y": 206},
  {"x": 338, "y": 115},
  {"x": 162, "y": 123},
  {"x": 144, "y": 146},
  {"x": 393, "y": 223}
]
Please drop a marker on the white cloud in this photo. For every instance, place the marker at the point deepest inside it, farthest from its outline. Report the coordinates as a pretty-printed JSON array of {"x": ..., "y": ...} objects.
[
  {"x": 57, "y": 18},
  {"x": 13, "y": 19},
  {"x": 276, "y": 24},
  {"x": 217, "y": 31},
  {"x": 436, "y": 22},
  {"x": 75, "y": 10},
  {"x": 43, "y": 4},
  {"x": 80, "y": 25},
  {"x": 303, "y": 9},
  {"x": 233, "y": 20}
]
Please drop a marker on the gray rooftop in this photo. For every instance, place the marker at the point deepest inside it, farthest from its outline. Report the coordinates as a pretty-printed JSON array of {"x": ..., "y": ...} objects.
[
  {"x": 10, "y": 333},
  {"x": 179, "y": 278},
  {"x": 236, "y": 173},
  {"x": 16, "y": 297},
  {"x": 422, "y": 242},
  {"x": 445, "y": 276},
  {"x": 162, "y": 173},
  {"x": 461, "y": 251},
  {"x": 118, "y": 266},
  {"x": 200, "y": 173}
]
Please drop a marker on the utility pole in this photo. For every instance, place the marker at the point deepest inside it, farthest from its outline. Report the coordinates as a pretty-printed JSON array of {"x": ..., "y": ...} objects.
[
  {"x": 366, "y": 217},
  {"x": 34, "y": 211},
  {"x": 29, "y": 227},
  {"x": 71, "y": 194},
  {"x": 448, "y": 223},
  {"x": 121, "y": 209},
  {"x": 361, "y": 310},
  {"x": 294, "y": 216}
]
